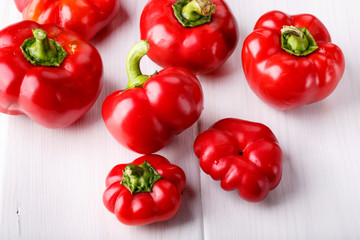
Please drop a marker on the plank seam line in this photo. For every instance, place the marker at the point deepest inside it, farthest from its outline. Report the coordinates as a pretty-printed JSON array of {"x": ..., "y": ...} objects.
[{"x": 201, "y": 197}]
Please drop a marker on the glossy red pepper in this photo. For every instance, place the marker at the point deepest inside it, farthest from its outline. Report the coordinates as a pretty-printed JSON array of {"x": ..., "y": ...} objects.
[
  {"x": 54, "y": 78},
  {"x": 289, "y": 61},
  {"x": 145, "y": 191},
  {"x": 152, "y": 109},
  {"x": 196, "y": 34},
  {"x": 244, "y": 155},
  {"x": 84, "y": 17}
]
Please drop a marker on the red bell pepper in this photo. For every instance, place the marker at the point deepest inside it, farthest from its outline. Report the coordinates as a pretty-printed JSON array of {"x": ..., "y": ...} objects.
[
  {"x": 189, "y": 33},
  {"x": 153, "y": 108},
  {"x": 289, "y": 61},
  {"x": 47, "y": 73},
  {"x": 84, "y": 17},
  {"x": 145, "y": 191},
  {"x": 243, "y": 155}
]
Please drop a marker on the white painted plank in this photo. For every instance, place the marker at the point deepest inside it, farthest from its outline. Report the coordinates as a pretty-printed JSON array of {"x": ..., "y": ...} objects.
[
  {"x": 319, "y": 194},
  {"x": 53, "y": 180}
]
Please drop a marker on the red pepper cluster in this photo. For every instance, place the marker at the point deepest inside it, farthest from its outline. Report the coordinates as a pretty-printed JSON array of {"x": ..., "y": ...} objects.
[{"x": 288, "y": 61}]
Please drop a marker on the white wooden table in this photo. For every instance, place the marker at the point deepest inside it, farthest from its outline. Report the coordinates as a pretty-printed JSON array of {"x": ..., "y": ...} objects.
[{"x": 51, "y": 181}]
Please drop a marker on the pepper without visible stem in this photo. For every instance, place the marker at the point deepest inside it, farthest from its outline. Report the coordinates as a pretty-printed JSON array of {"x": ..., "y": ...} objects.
[
  {"x": 40, "y": 50},
  {"x": 194, "y": 12},
  {"x": 136, "y": 78},
  {"x": 140, "y": 178},
  {"x": 297, "y": 41}
]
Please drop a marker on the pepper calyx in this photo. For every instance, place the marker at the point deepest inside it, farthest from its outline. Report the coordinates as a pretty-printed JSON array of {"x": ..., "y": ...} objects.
[
  {"x": 140, "y": 178},
  {"x": 297, "y": 41},
  {"x": 42, "y": 51}
]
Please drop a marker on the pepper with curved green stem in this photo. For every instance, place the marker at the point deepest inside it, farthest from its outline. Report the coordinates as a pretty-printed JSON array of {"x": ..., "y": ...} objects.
[
  {"x": 289, "y": 61},
  {"x": 145, "y": 191},
  {"x": 45, "y": 73},
  {"x": 189, "y": 33},
  {"x": 152, "y": 109}
]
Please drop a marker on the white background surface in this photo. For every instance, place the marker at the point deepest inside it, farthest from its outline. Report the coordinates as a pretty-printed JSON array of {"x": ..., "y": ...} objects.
[{"x": 51, "y": 181}]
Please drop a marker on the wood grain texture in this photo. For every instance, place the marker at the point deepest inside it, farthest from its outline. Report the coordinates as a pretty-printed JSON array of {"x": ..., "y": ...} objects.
[{"x": 52, "y": 181}]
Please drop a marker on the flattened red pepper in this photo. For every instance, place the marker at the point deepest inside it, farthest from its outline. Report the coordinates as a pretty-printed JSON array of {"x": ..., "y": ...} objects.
[
  {"x": 244, "y": 155},
  {"x": 84, "y": 17},
  {"x": 48, "y": 73},
  {"x": 289, "y": 61},
  {"x": 145, "y": 191},
  {"x": 152, "y": 109},
  {"x": 189, "y": 33}
]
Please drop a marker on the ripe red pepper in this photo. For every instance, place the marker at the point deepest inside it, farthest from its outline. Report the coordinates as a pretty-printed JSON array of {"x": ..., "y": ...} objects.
[
  {"x": 289, "y": 61},
  {"x": 47, "y": 73},
  {"x": 153, "y": 108},
  {"x": 84, "y": 17},
  {"x": 145, "y": 191},
  {"x": 243, "y": 155},
  {"x": 189, "y": 33}
]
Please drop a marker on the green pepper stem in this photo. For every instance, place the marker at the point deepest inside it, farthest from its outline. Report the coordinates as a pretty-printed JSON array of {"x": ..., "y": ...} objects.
[
  {"x": 136, "y": 78},
  {"x": 297, "y": 41},
  {"x": 197, "y": 8},
  {"x": 140, "y": 178},
  {"x": 40, "y": 50},
  {"x": 192, "y": 13},
  {"x": 291, "y": 30}
]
